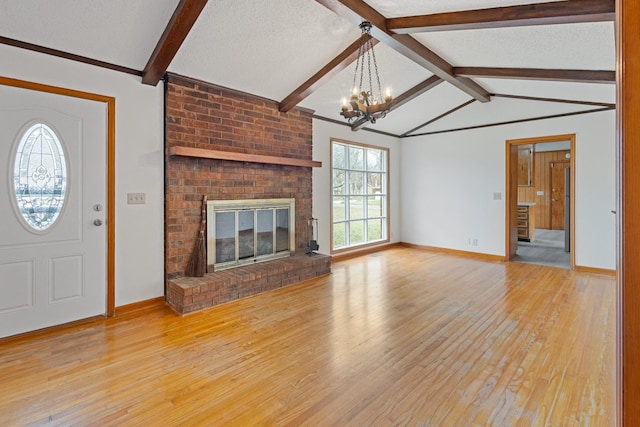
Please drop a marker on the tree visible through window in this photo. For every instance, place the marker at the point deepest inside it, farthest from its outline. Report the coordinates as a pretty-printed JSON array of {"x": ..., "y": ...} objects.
[{"x": 359, "y": 194}]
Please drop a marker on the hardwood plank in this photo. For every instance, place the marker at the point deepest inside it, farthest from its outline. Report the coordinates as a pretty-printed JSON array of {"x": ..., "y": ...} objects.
[
  {"x": 565, "y": 12},
  {"x": 403, "y": 336}
]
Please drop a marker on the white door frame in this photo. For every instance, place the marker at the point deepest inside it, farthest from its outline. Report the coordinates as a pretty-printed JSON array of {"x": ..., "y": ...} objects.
[{"x": 111, "y": 167}]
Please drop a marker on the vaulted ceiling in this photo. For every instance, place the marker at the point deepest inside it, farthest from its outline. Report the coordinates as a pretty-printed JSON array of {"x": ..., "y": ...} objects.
[{"x": 451, "y": 64}]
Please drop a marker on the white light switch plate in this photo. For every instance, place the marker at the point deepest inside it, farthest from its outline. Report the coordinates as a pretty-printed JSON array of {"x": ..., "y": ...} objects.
[{"x": 136, "y": 198}]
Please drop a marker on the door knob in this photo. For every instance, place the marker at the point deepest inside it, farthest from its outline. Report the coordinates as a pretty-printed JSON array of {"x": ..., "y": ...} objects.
[{"x": 97, "y": 222}]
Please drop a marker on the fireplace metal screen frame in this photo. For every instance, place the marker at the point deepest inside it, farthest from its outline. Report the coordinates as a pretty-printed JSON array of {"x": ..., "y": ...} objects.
[{"x": 220, "y": 206}]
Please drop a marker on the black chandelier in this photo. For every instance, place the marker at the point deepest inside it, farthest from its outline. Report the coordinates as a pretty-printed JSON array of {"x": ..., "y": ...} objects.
[{"x": 364, "y": 104}]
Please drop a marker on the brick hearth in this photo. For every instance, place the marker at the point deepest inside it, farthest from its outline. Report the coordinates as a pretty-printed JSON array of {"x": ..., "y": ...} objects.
[{"x": 188, "y": 294}]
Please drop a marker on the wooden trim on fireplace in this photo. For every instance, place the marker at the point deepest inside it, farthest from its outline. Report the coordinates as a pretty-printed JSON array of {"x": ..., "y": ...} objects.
[{"x": 240, "y": 157}]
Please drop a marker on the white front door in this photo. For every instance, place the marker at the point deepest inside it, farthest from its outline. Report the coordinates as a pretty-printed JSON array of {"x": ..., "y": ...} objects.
[{"x": 52, "y": 209}]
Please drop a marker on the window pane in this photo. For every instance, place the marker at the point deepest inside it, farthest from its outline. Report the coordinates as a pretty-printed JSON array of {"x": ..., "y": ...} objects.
[
  {"x": 339, "y": 209},
  {"x": 356, "y": 183},
  {"x": 374, "y": 229},
  {"x": 339, "y": 156},
  {"x": 356, "y": 158},
  {"x": 338, "y": 182},
  {"x": 282, "y": 230},
  {"x": 338, "y": 235},
  {"x": 374, "y": 160},
  {"x": 265, "y": 232},
  {"x": 356, "y": 232},
  {"x": 40, "y": 177},
  {"x": 374, "y": 206},
  {"x": 356, "y": 207},
  {"x": 225, "y": 237},
  {"x": 359, "y": 194},
  {"x": 245, "y": 234},
  {"x": 374, "y": 183}
]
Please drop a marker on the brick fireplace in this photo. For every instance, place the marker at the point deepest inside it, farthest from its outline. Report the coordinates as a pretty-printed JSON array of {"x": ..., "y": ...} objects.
[{"x": 230, "y": 145}]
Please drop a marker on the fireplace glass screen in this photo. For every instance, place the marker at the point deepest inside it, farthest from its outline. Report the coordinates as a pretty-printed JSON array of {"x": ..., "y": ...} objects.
[{"x": 240, "y": 232}]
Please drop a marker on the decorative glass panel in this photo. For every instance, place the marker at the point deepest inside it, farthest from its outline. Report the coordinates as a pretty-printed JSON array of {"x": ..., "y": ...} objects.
[{"x": 40, "y": 177}]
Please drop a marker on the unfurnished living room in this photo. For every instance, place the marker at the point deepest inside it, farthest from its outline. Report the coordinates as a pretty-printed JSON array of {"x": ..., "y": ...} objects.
[{"x": 319, "y": 212}]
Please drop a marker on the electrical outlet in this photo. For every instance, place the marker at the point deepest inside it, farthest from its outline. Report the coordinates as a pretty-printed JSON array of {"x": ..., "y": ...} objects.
[
  {"x": 497, "y": 196},
  {"x": 136, "y": 198}
]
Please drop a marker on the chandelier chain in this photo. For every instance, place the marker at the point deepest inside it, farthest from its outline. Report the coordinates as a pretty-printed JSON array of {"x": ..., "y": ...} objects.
[
  {"x": 364, "y": 103},
  {"x": 375, "y": 64}
]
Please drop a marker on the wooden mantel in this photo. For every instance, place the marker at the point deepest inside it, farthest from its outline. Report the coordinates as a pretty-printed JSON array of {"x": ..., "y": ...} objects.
[{"x": 240, "y": 157}]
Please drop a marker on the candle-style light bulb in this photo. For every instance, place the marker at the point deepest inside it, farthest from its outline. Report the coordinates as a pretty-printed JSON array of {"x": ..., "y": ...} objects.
[
  {"x": 388, "y": 96},
  {"x": 345, "y": 105}
]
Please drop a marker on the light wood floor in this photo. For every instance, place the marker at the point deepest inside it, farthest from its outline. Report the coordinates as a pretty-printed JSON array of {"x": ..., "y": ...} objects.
[{"x": 401, "y": 337}]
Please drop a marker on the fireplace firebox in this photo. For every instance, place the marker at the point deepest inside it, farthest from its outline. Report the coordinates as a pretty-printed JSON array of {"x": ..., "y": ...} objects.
[{"x": 241, "y": 232}]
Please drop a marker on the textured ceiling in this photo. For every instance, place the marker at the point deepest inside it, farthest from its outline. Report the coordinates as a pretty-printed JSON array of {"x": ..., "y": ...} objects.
[{"x": 270, "y": 48}]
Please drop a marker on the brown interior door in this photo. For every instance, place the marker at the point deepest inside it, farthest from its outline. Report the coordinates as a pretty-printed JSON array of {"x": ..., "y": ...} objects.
[{"x": 557, "y": 194}]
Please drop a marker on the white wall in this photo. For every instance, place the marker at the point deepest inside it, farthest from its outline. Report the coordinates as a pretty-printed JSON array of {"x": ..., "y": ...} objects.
[
  {"x": 448, "y": 181},
  {"x": 322, "y": 133},
  {"x": 139, "y": 247}
]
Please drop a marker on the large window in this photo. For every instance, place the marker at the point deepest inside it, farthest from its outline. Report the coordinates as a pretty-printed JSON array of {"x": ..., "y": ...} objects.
[{"x": 359, "y": 195}]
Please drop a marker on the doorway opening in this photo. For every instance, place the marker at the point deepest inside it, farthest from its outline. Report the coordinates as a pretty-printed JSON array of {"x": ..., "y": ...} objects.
[{"x": 540, "y": 200}]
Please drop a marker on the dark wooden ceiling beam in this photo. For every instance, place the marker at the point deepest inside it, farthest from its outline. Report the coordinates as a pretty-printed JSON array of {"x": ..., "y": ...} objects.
[
  {"x": 405, "y": 97},
  {"x": 561, "y": 12},
  {"x": 357, "y": 10},
  {"x": 558, "y": 100},
  {"x": 67, "y": 55},
  {"x": 181, "y": 22},
  {"x": 575, "y": 76},
  {"x": 435, "y": 119},
  {"x": 337, "y": 64},
  {"x": 509, "y": 122}
]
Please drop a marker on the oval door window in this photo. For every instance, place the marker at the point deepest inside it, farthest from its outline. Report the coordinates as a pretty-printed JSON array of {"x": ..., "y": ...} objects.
[{"x": 39, "y": 177}]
